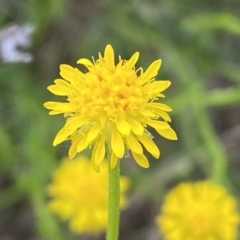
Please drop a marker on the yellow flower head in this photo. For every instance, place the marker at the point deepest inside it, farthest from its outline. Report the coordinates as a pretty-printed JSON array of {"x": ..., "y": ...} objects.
[
  {"x": 199, "y": 211},
  {"x": 80, "y": 195},
  {"x": 110, "y": 106}
]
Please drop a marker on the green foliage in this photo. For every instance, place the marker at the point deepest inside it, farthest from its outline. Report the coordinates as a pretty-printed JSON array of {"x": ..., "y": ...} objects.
[
  {"x": 198, "y": 42},
  {"x": 212, "y": 21}
]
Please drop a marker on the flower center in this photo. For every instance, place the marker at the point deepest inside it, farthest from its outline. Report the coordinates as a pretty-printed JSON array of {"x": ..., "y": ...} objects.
[
  {"x": 90, "y": 194},
  {"x": 110, "y": 93},
  {"x": 199, "y": 223}
]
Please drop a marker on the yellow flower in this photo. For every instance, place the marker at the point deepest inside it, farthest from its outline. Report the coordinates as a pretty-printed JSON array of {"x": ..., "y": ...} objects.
[
  {"x": 80, "y": 195},
  {"x": 110, "y": 106},
  {"x": 199, "y": 211}
]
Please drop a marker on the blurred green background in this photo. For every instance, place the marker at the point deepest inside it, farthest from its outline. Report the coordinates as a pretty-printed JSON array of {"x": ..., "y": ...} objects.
[{"x": 199, "y": 43}]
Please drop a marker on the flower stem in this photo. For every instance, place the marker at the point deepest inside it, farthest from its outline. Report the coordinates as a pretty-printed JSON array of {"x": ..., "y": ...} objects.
[{"x": 113, "y": 201}]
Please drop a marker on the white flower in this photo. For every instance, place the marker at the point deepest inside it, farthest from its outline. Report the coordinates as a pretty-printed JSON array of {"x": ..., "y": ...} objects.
[{"x": 12, "y": 38}]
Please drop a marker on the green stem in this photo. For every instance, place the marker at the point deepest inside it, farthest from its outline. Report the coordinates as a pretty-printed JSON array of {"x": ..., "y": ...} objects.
[
  {"x": 216, "y": 150},
  {"x": 113, "y": 201}
]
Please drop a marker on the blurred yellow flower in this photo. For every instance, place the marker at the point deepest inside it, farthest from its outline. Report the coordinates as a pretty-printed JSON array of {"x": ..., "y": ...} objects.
[
  {"x": 80, "y": 195},
  {"x": 199, "y": 211},
  {"x": 111, "y": 104}
]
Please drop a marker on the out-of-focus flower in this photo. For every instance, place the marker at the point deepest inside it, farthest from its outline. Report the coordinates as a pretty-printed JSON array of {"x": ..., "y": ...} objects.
[
  {"x": 12, "y": 38},
  {"x": 199, "y": 211},
  {"x": 80, "y": 195},
  {"x": 111, "y": 104}
]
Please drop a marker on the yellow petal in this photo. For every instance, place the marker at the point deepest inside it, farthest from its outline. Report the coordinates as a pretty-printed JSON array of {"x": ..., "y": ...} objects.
[
  {"x": 158, "y": 124},
  {"x": 92, "y": 134},
  {"x": 151, "y": 72},
  {"x": 76, "y": 121},
  {"x": 95, "y": 167},
  {"x": 61, "y": 82},
  {"x": 149, "y": 144},
  {"x": 113, "y": 160},
  {"x": 59, "y": 107},
  {"x": 53, "y": 112},
  {"x": 71, "y": 75},
  {"x": 61, "y": 136},
  {"x": 102, "y": 120},
  {"x": 67, "y": 72},
  {"x": 160, "y": 106},
  {"x": 132, "y": 61},
  {"x": 167, "y": 133},
  {"x": 59, "y": 90},
  {"x": 136, "y": 126},
  {"x": 50, "y": 105},
  {"x": 82, "y": 144},
  {"x": 123, "y": 126},
  {"x": 109, "y": 56},
  {"x": 70, "y": 127},
  {"x": 141, "y": 160},
  {"x": 79, "y": 76},
  {"x": 155, "y": 87},
  {"x": 85, "y": 62},
  {"x": 73, "y": 148},
  {"x": 134, "y": 145},
  {"x": 117, "y": 143},
  {"x": 66, "y": 67},
  {"x": 161, "y": 85},
  {"x": 148, "y": 113},
  {"x": 163, "y": 115},
  {"x": 98, "y": 153}
]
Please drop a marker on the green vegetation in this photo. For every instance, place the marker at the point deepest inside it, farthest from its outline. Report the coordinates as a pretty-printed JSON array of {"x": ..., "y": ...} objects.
[{"x": 199, "y": 43}]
